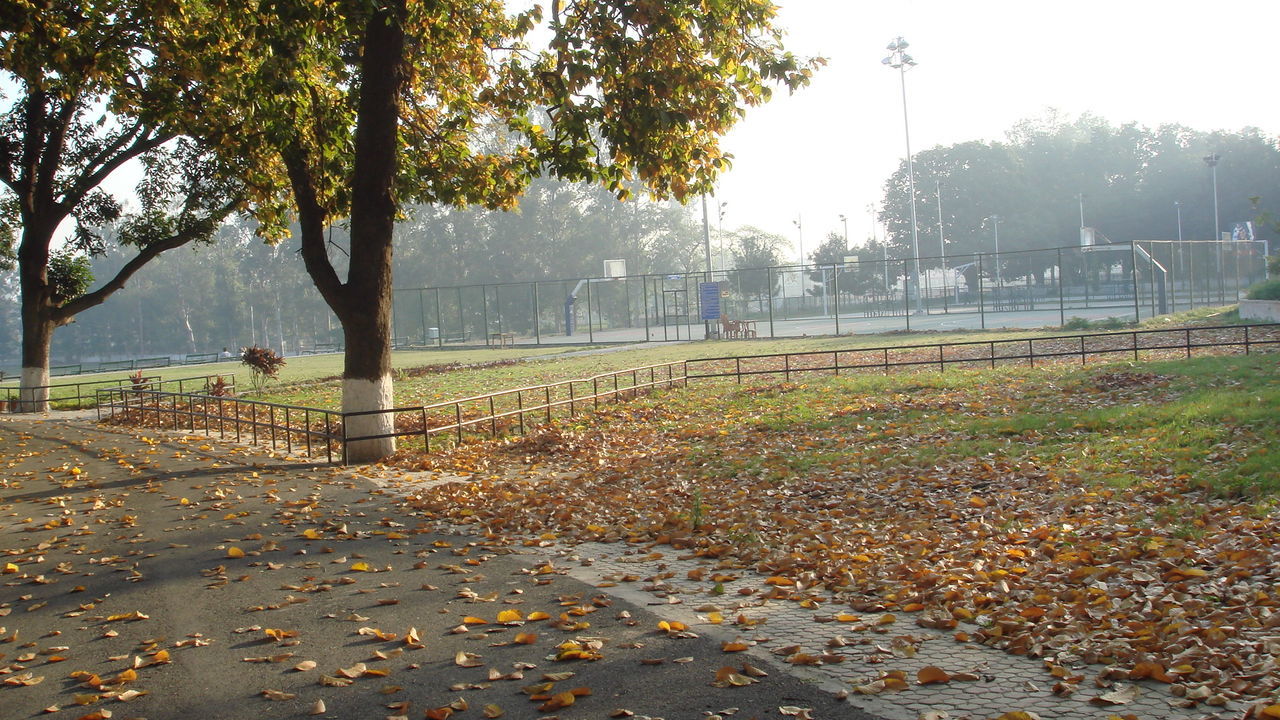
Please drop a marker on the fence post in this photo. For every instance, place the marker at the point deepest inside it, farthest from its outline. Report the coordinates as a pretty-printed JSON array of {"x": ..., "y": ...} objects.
[
  {"x": 426, "y": 432},
  {"x": 769, "y": 287},
  {"x": 493, "y": 420},
  {"x": 1062, "y": 305},
  {"x": 457, "y": 421},
  {"x": 982, "y": 313},
  {"x": 1133, "y": 272},
  {"x": 537, "y": 315},
  {"x": 906, "y": 294},
  {"x": 836, "y": 282}
]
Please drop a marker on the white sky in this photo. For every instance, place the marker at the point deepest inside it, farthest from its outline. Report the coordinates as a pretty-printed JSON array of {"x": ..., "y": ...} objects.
[{"x": 983, "y": 66}]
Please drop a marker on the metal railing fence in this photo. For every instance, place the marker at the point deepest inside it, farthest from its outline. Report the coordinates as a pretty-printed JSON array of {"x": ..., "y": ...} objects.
[
  {"x": 517, "y": 410},
  {"x": 61, "y": 394},
  {"x": 284, "y": 426}
]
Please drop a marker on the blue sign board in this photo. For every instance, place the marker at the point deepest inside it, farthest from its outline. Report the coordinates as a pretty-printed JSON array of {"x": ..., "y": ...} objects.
[{"x": 709, "y": 300}]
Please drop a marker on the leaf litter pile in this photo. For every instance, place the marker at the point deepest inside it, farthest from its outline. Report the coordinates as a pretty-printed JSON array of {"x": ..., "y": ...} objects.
[{"x": 1117, "y": 515}]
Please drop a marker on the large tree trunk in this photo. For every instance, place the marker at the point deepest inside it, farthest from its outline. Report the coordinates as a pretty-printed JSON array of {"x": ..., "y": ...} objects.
[
  {"x": 37, "y": 336},
  {"x": 38, "y": 322},
  {"x": 365, "y": 303}
]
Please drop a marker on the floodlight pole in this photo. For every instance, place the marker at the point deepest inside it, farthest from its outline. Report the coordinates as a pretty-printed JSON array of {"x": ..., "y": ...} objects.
[
  {"x": 899, "y": 60},
  {"x": 1212, "y": 161}
]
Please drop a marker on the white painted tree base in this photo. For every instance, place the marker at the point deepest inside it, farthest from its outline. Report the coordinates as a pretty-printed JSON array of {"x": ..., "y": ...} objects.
[
  {"x": 361, "y": 395},
  {"x": 33, "y": 393}
]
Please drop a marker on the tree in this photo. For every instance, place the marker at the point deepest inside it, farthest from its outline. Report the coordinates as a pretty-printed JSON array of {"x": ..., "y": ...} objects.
[
  {"x": 1129, "y": 176},
  {"x": 358, "y": 107},
  {"x": 755, "y": 248},
  {"x": 86, "y": 103}
]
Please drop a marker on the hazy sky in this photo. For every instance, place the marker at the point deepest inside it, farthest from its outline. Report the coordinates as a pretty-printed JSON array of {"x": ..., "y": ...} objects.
[{"x": 983, "y": 66}]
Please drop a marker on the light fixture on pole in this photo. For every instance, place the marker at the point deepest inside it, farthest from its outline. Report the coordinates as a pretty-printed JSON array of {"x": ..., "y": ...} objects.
[
  {"x": 845, "y": 220},
  {"x": 995, "y": 227},
  {"x": 899, "y": 60},
  {"x": 1080, "y": 199}
]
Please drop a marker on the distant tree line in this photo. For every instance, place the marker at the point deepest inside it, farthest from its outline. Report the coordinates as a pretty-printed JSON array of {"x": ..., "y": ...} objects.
[
  {"x": 1130, "y": 177},
  {"x": 238, "y": 290}
]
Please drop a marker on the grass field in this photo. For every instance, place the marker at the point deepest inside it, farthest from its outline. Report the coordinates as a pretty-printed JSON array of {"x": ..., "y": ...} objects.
[{"x": 302, "y": 379}]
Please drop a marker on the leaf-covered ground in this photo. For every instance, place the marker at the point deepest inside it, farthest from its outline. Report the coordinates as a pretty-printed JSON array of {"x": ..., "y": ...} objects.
[{"x": 1118, "y": 514}]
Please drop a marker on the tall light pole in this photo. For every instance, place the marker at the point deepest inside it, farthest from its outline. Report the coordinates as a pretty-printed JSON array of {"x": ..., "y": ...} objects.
[
  {"x": 845, "y": 220},
  {"x": 899, "y": 60},
  {"x": 1080, "y": 199},
  {"x": 995, "y": 226},
  {"x": 1212, "y": 161}
]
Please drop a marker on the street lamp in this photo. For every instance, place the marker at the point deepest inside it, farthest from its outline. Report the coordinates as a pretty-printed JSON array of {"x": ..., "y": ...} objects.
[
  {"x": 899, "y": 60},
  {"x": 1080, "y": 199},
  {"x": 845, "y": 220},
  {"x": 1212, "y": 161},
  {"x": 995, "y": 226}
]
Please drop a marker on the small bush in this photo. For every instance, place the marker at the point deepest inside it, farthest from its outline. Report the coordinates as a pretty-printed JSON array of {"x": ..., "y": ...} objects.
[
  {"x": 1079, "y": 323},
  {"x": 264, "y": 364},
  {"x": 1266, "y": 290},
  {"x": 220, "y": 387}
]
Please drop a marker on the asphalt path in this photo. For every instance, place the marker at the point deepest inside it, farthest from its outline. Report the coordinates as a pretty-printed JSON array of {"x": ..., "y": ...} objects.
[{"x": 178, "y": 578}]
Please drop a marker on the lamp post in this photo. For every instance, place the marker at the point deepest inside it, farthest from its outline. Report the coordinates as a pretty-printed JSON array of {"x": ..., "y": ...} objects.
[
  {"x": 995, "y": 227},
  {"x": 706, "y": 246},
  {"x": 1080, "y": 199},
  {"x": 899, "y": 60},
  {"x": 1212, "y": 161},
  {"x": 799, "y": 223},
  {"x": 845, "y": 220}
]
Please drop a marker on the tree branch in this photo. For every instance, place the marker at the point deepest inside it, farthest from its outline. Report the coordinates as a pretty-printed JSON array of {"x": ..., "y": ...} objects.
[
  {"x": 63, "y": 314},
  {"x": 311, "y": 217},
  {"x": 87, "y": 182}
]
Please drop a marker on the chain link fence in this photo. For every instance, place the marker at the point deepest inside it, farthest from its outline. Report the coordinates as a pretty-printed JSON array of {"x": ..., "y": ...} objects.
[{"x": 1028, "y": 288}]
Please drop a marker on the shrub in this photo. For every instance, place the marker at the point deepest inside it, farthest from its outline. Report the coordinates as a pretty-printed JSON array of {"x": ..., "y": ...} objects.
[
  {"x": 1266, "y": 290},
  {"x": 264, "y": 364},
  {"x": 220, "y": 387}
]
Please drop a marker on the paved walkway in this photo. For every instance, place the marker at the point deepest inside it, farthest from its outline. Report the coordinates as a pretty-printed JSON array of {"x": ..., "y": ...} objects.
[{"x": 180, "y": 577}]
